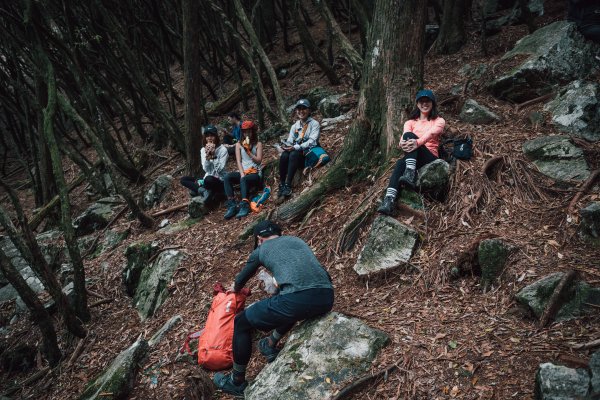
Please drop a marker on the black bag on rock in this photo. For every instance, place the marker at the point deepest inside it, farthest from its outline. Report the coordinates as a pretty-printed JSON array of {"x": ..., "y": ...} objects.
[{"x": 461, "y": 149}]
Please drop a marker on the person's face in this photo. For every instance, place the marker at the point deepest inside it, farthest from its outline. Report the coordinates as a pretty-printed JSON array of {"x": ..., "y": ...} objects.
[
  {"x": 233, "y": 121},
  {"x": 247, "y": 132},
  {"x": 211, "y": 140},
  {"x": 302, "y": 113},
  {"x": 424, "y": 105}
]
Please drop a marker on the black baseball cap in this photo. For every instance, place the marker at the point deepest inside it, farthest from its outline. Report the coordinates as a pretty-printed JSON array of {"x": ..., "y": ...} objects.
[{"x": 266, "y": 228}]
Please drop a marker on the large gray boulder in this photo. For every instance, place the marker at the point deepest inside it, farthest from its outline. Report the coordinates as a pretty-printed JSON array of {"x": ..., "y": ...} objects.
[
  {"x": 389, "y": 245},
  {"x": 511, "y": 16},
  {"x": 8, "y": 292},
  {"x": 97, "y": 216},
  {"x": 315, "y": 95},
  {"x": 330, "y": 106},
  {"x": 119, "y": 378},
  {"x": 157, "y": 191},
  {"x": 14, "y": 255},
  {"x": 319, "y": 355},
  {"x": 552, "y": 55},
  {"x": 576, "y": 110},
  {"x": 138, "y": 256},
  {"x": 474, "y": 113},
  {"x": 332, "y": 123},
  {"x": 152, "y": 290},
  {"x": 580, "y": 297},
  {"x": 557, "y": 157},
  {"x": 556, "y": 382},
  {"x": 434, "y": 178},
  {"x": 589, "y": 227}
]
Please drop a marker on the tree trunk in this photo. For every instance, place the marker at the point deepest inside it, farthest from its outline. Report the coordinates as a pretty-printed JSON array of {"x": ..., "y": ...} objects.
[
  {"x": 391, "y": 76},
  {"x": 80, "y": 294},
  {"x": 452, "y": 34},
  {"x": 264, "y": 59},
  {"x": 310, "y": 45},
  {"x": 192, "y": 86},
  {"x": 39, "y": 315}
]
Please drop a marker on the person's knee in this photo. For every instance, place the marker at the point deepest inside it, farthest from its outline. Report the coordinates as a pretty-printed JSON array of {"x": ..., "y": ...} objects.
[
  {"x": 409, "y": 135},
  {"x": 591, "y": 32},
  {"x": 241, "y": 323}
]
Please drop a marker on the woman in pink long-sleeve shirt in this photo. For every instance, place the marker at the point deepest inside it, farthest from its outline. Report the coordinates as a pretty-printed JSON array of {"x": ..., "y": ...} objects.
[{"x": 420, "y": 142}]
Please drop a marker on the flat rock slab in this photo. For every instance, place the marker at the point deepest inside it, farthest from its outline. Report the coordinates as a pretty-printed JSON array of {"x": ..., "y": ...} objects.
[
  {"x": 557, "y": 157},
  {"x": 119, "y": 378},
  {"x": 389, "y": 245},
  {"x": 320, "y": 356},
  {"x": 97, "y": 216},
  {"x": 474, "y": 113},
  {"x": 576, "y": 110},
  {"x": 581, "y": 297},
  {"x": 556, "y": 382},
  {"x": 152, "y": 289},
  {"x": 552, "y": 55}
]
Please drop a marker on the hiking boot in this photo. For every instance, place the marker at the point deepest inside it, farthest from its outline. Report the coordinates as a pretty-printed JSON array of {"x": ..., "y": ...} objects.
[
  {"x": 387, "y": 206},
  {"x": 409, "y": 177},
  {"x": 244, "y": 209},
  {"x": 225, "y": 383},
  {"x": 270, "y": 352},
  {"x": 287, "y": 190},
  {"x": 193, "y": 193},
  {"x": 232, "y": 209},
  {"x": 280, "y": 190}
]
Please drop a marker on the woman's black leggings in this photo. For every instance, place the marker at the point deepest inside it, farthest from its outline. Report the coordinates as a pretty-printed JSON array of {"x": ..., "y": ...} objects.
[
  {"x": 421, "y": 154},
  {"x": 289, "y": 162},
  {"x": 210, "y": 183},
  {"x": 248, "y": 181}
]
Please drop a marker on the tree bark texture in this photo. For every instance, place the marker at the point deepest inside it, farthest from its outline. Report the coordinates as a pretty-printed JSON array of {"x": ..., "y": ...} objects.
[
  {"x": 452, "y": 34},
  {"x": 80, "y": 294},
  {"x": 192, "y": 86}
]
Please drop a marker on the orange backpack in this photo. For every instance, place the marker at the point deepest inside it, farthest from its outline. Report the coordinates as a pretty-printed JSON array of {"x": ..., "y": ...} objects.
[{"x": 215, "y": 349}]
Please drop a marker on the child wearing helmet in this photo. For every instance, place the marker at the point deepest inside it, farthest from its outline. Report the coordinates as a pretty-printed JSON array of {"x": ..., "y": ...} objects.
[
  {"x": 248, "y": 155},
  {"x": 420, "y": 142},
  {"x": 213, "y": 157}
]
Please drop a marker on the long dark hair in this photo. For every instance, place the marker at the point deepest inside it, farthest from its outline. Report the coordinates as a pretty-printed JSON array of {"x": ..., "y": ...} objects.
[
  {"x": 415, "y": 113},
  {"x": 215, "y": 135}
]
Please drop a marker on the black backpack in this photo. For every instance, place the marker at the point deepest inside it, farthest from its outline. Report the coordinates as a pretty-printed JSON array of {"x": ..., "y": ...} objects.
[{"x": 461, "y": 149}]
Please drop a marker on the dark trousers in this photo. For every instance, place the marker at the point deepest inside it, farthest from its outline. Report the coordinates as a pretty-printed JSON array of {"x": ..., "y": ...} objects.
[
  {"x": 591, "y": 32},
  {"x": 421, "y": 154},
  {"x": 248, "y": 181},
  {"x": 210, "y": 183},
  {"x": 289, "y": 162},
  {"x": 279, "y": 312}
]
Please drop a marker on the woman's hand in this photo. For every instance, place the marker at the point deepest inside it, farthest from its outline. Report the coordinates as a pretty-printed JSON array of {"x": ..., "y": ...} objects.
[{"x": 408, "y": 145}]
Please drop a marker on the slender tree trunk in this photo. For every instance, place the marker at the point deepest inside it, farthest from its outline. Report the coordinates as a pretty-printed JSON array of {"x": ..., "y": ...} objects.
[
  {"x": 39, "y": 315},
  {"x": 310, "y": 45},
  {"x": 192, "y": 86},
  {"x": 80, "y": 293},
  {"x": 452, "y": 34},
  {"x": 393, "y": 72},
  {"x": 264, "y": 59}
]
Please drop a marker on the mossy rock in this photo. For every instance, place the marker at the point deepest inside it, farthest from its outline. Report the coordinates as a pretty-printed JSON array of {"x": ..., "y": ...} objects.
[
  {"x": 492, "y": 256},
  {"x": 138, "y": 255},
  {"x": 589, "y": 228},
  {"x": 411, "y": 198},
  {"x": 315, "y": 95},
  {"x": 557, "y": 382}
]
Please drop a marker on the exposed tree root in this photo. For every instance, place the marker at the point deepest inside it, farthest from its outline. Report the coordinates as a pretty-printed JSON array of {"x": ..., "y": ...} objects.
[
  {"x": 557, "y": 299},
  {"x": 586, "y": 186}
]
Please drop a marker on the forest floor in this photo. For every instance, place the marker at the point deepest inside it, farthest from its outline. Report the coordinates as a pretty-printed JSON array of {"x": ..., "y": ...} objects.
[{"x": 448, "y": 338}]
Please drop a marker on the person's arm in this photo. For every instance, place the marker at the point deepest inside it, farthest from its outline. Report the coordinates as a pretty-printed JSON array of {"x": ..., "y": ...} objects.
[
  {"x": 259, "y": 150},
  {"x": 435, "y": 131},
  {"x": 238, "y": 158},
  {"x": 314, "y": 131},
  {"x": 206, "y": 164},
  {"x": 220, "y": 160},
  {"x": 248, "y": 271}
]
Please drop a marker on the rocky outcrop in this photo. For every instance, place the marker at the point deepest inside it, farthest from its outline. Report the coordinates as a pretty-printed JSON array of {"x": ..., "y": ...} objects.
[
  {"x": 580, "y": 297},
  {"x": 138, "y": 256},
  {"x": 556, "y": 382},
  {"x": 492, "y": 257},
  {"x": 119, "y": 378},
  {"x": 552, "y": 55},
  {"x": 97, "y": 216},
  {"x": 474, "y": 113},
  {"x": 157, "y": 191},
  {"x": 319, "y": 355},
  {"x": 330, "y": 106},
  {"x": 557, "y": 158},
  {"x": 332, "y": 123},
  {"x": 589, "y": 227},
  {"x": 576, "y": 110},
  {"x": 152, "y": 289},
  {"x": 434, "y": 178},
  {"x": 389, "y": 245}
]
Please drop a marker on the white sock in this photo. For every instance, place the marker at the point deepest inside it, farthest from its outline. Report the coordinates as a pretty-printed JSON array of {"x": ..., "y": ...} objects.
[
  {"x": 391, "y": 192},
  {"x": 411, "y": 163}
]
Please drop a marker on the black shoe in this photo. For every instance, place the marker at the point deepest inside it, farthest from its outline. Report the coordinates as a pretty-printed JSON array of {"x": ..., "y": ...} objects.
[
  {"x": 232, "y": 209},
  {"x": 193, "y": 193},
  {"x": 287, "y": 190},
  {"x": 280, "y": 190},
  {"x": 225, "y": 383},
  {"x": 244, "y": 209},
  {"x": 409, "y": 177},
  {"x": 387, "y": 206},
  {"x": 270, "y": 352}
]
